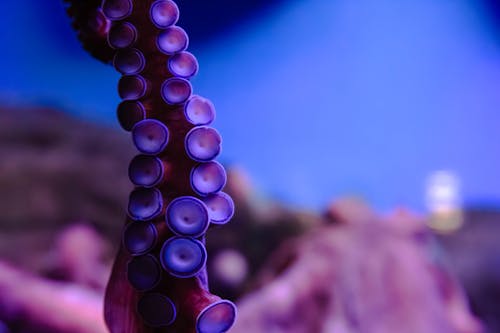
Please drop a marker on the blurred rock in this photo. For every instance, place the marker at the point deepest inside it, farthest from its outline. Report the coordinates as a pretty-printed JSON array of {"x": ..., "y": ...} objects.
[
  {"x": 56, "y": 169},
  {"x": 81, "y": 256},
  {"x": 473, "y": 254},
  {"x": 357, "y": 278},
  {"x": 75, "y": 253},
  {"x": 35, "y": 305},
  {"x": 350, "y": 210}
]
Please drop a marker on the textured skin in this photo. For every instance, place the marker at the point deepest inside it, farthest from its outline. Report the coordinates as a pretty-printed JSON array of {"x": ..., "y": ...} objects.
[
  {"x": 189, "y": 295},
  {"x": 92, "y": 27}
]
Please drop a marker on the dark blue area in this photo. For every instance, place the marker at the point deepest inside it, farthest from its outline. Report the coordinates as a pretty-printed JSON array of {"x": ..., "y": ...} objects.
[
  {"x": 315, "y": 99},
  {"x": 494, "y": 10},
  {"x": 203, "y": 20}
]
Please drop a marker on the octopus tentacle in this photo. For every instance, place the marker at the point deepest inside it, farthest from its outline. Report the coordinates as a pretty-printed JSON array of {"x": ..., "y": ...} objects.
[
  {"x": 92, "y": 26},
  {"x": 158, "y": 282}
]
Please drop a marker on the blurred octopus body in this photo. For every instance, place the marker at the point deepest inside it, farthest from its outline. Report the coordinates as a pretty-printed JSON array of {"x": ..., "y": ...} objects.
[{"x": 158, "y": 282}]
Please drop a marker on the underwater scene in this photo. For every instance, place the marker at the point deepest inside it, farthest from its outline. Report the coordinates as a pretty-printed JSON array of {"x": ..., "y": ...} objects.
[{"x": 279, "y": 166}]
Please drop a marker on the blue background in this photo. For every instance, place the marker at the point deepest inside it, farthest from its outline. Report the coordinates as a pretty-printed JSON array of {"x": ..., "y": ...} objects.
[{"x": 315, "y": 99}]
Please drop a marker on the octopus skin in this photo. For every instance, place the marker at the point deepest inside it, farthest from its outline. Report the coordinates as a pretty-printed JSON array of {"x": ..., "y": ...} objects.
[{"x": 159, "y": 282}]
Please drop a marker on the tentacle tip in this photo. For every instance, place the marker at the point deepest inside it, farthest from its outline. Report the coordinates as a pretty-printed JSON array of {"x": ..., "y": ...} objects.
[{"x": 218, "y": 317}]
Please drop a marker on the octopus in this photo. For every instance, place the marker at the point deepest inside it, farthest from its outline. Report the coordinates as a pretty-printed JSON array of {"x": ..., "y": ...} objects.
[{"x": 159, "y": 281}]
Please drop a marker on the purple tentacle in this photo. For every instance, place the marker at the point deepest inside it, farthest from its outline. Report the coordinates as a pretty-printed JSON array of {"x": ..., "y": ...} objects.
[
  {"x": 220, "y": 207},
  {"x": 117, "y": 9},
  {"x": 132, "y": 87},
  {"x": 176, "y": 90},
  {"x": 156, "y": 309},
  {"x": 139, "y": 237},
  {"x": 183, "y": 64},
  {"x": 172, "y": 40},
  {"x": 183, "y": 256},
  {"x": 187, "y": 216},
  {"x": 177, "y": 194},
  {"x": 199, "y": 111},
  {"x": 216, "y": 318},
  {"x": 164, "y": 13},
  {"x": 208, "y": 178},
  {"x": 129, "y": 61},
  {"x": 122, "y": 35},
  {"x": 145, "y": 204},
  {"x": 130, "y": 113},
  {"x": 203, "y": 144},
  {"x": 150, "y": 136},
  {"x": 144, "y": 272},
  {"x": 146, "y": 171}
]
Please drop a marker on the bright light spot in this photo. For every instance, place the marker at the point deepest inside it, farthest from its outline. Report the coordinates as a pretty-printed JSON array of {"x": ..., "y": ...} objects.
[
  {"x": 231, "y": 267},
  {"x": 444, "y": 202}
]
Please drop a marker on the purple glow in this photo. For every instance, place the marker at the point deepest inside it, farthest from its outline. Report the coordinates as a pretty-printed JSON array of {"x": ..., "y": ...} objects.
[
  {"x": 122, "y": 35},
  {"x": 199, "y": 110},
  {"x": 172, "y": 40},
  {"x": 187, "y": 216},
  {"x": 98, "y": 22},
  {"x": 183, "y": 256},
  {"x": 216, "y": 318},
  {"x": 145, "y": 170},
  {"x": 117, "y": 9},
  {"x": 156, "y": 310},
  {"x": 176, "y": 90},
  {"x": 203, "y": 144},
  {"x": 132, "y": 87},
  {"x": 144, "y": 272},
  {"x": 145, "y": 203},
  {"x": 130, "y": 113},
  {"x": 150, "y": 136},
  {"x": 183, "y": 64},
  {"x": 164, "y": 13},
  {"x": 139, "y": 237},
  {"x": 208, "y": 178},
  {"x": 220, "y": 207}
]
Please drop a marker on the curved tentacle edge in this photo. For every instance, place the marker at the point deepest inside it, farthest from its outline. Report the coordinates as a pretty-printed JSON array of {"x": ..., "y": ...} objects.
[{"x": 158, "y": 282}]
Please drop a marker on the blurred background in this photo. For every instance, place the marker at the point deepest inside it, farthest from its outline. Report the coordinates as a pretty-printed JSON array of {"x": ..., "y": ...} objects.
[{"x": 327, "y": 108}]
